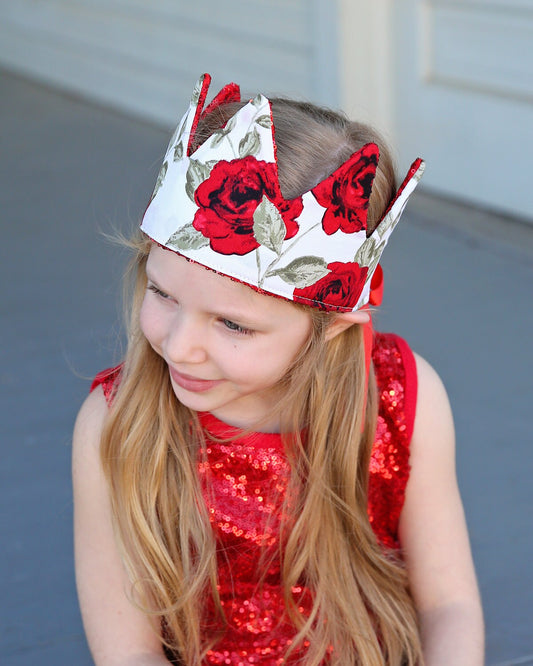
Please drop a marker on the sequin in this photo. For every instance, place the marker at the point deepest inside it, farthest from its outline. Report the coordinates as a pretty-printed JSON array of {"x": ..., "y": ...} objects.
[
  {"x": 256, "y": 475},
  {"x": 389, "y": 462},
  {"x": 244, "y": 483}
]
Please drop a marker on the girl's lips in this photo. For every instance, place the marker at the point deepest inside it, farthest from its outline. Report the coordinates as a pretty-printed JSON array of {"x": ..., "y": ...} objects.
[{"x": 192, "y": 383}]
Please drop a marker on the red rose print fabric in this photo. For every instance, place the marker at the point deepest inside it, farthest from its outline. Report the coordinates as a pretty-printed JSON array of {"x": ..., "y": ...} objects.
[
  {"x": 339, "y": 289},
  {"x": 346, "y": 192},
  {"x": 227, "y": 201},
  {"x": 217, "y": 202}
]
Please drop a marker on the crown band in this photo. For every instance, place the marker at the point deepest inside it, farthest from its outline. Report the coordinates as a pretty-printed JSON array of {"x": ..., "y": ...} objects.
[{"x": 221, "y": 206}]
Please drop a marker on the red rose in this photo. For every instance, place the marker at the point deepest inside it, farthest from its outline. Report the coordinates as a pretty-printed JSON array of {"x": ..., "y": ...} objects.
[
  {"x": 227, "y": 201},
  {"x": 346, "y": 192},
  {"x": 339, "y": 289}
]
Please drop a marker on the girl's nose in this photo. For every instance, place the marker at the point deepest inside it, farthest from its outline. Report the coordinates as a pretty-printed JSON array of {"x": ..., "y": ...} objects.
[{"x": 185, "y": 342}]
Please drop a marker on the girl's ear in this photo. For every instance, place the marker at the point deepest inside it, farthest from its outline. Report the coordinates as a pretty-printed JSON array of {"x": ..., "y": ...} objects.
[{"x": 343, "y": 320}]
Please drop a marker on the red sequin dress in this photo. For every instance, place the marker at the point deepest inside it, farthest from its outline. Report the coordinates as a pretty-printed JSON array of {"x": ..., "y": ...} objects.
[{"x": 244, "y": 482}]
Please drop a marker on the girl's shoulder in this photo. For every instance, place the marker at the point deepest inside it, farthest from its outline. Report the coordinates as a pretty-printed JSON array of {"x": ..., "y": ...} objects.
[
  {"x": 88, "y": 430},
  {"x": 93, "y": 412}
]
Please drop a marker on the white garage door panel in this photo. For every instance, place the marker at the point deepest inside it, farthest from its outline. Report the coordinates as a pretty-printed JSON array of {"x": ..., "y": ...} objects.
[
  {"x": 261, "y": 19},
  {"x": 145, "y": 57},
  {"x": 138, "y": 43},
  {"x": 257, "y": 18},
  {"x": 470, "y": 46},
  {"x": 464, "y": 98}
]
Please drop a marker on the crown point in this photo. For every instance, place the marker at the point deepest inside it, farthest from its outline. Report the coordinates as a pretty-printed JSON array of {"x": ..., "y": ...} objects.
[
  {"x": 198, "y": 100},
  {"x": 229, "y": 93}
]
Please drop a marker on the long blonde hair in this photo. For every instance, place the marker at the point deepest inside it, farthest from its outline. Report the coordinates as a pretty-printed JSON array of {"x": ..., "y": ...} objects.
[{"x": 362, "y": 612}]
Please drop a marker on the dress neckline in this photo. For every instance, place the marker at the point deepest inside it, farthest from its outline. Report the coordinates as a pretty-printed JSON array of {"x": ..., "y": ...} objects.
[{"x": 214, "y": 426}]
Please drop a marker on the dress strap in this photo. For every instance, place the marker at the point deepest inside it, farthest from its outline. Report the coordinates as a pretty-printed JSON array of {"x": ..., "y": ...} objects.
[
  {"x": 396, "y": 378},
  {"x": 109, "y": 380},
  {"x": 410, "y": 383}
]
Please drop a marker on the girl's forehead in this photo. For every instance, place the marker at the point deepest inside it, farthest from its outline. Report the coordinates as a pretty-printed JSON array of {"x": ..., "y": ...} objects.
[{"x": 176, "y": 272}]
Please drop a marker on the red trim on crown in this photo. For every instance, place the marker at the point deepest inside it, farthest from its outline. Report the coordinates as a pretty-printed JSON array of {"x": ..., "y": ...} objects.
[
  {"x": 206, "y": 82},
  {"x": 412, "y": 170},
  {"x": 376, "y": 287},
  {"x": 229, "y": 93}
]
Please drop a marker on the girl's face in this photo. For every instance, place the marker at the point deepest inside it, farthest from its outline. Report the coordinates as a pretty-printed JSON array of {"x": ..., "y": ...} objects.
[{"x": 225, "y": 345}]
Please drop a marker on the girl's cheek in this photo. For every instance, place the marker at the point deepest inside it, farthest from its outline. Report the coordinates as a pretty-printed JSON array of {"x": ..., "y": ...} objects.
[{"x": 148, "y": 322}]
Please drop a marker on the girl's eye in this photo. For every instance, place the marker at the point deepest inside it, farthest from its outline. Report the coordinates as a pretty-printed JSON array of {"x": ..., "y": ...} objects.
[
  {"x": 157, "y": 291},
  {"x": 232, "y": 326}
]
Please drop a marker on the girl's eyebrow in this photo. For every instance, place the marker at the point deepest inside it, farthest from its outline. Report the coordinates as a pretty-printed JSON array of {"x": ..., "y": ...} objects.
[
  {"x": 156, "y": 283},
  {"x": 248, "y": 314},
  {"x": 149, "y": 274},
  {"x": 239, "y": 316}
]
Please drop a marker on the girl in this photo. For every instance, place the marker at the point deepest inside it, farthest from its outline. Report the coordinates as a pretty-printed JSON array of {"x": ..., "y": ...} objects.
[{"x": 263, "y": 480}]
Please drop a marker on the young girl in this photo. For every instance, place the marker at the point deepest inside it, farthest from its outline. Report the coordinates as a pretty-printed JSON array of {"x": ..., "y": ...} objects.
[{"x": 264, "y": 480}]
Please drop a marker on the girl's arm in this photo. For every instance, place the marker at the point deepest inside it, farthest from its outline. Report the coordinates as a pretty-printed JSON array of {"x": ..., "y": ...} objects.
[
  {"x": 434, "y": 536},
  {"x": 117, "y": 632}
]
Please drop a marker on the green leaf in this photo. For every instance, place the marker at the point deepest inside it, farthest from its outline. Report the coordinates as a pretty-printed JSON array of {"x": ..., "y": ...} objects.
[
  {"x": 269, "y": 228},
  {"x": 196, "y": 174},
  {"x": 250, "y": 144},
  {"x": 217, "y": 138},
  {"x": 195, "y": 97},
  {"x": 160, "y": 178},
  {"x": 209, "y": 166},
  {"x": 388, "y": 222},
  {"x": 182, "y": 129},
  {"x": 220, "y": 134},
  {"x": 178, "y": 133},
  {"x": 228, "y": 127},
  {"x": 257, "y": 100},
  {"x": 187, "y": 238},
  {"x": 303, "y": 272},
  {"x": 374, "y": 261},
  {"x": 365, "y": 253},
  {"x": 370, "y": 253},
  {"x": 264, "y": 121},
  {"x": 178, "y": 152}
]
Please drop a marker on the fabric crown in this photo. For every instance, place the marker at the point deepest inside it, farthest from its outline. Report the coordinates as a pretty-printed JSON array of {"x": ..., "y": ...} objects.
[{"x": 221, "y": 206}]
